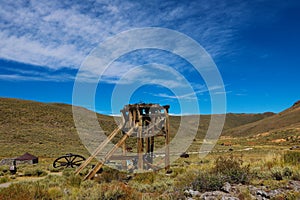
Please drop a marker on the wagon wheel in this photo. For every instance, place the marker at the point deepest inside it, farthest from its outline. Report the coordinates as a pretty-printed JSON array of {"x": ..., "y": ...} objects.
[{"x": 69, "y": 160}]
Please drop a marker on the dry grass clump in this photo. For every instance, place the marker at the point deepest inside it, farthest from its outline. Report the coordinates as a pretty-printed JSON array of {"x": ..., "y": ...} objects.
[{"x": 226, "y": 169}]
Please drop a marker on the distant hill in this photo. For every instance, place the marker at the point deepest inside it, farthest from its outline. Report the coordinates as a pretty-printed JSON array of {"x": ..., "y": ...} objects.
[
  {"x": 236, "y": 120},
  {"x": 42, "y": 129},
  {"x": 48, "y": 130},
  {"x": 282, "y": 127}
]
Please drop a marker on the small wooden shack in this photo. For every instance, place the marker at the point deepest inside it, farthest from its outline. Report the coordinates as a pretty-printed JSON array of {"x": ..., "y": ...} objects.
[{"x": 27, "y": 158}]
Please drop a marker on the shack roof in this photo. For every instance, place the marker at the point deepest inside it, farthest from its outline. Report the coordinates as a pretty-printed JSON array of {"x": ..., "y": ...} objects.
[{"x": 26, "y": 156}]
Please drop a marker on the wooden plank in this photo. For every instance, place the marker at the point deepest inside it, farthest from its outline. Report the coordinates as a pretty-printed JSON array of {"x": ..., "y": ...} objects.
[
  {"x": 97, "y": 150},
  {"x": 121, "y": 157},
  {"x": 92, "y": 173}
]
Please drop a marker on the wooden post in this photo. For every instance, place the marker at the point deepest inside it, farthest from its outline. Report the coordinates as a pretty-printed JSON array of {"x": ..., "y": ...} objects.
[
  {"x": 124, "y": 162},
  {"x": 134, "y": 117},
  {"x": 140, "y": 142},
  {"x": 152, "y": 143},
  {"x": 131, "y": 120},
  {"x": 167, "y": 150},
  {"x": 140, "y": 149}
]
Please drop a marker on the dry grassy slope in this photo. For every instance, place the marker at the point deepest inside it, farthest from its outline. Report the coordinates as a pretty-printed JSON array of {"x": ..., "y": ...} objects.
[
  {"x": 48, "y": 129},
  {"x": 232, "y": 120},
  {"x": 236, "y": 120},
  {"x": 39, "y": 128},
  {"x": 286, "y": 122}
]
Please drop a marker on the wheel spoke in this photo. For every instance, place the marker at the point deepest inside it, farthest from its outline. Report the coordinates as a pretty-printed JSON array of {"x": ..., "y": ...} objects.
[
  {"x": 77, "y": 161},
  {"x": 74, "y": 158},
  {"x": 69, "y": 160}
]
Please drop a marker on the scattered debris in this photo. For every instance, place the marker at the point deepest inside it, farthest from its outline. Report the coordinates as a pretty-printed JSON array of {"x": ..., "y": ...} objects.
[
  {"x": 184, "y": 155},
  {"x": 294, "y": 147}
]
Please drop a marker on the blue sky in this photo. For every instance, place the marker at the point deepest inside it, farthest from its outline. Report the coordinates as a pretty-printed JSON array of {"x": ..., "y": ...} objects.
[{"x": 255, "y": 45}]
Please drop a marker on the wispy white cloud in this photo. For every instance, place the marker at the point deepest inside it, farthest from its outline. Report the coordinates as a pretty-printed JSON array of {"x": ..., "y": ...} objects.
[
  {"x": 151, "y": 74},
  {"x": 193, "y": 95},
  {"x": 58, "y": 34},
  {"x": 224, "y": 92},
  {"x": 54, "y": 78}
]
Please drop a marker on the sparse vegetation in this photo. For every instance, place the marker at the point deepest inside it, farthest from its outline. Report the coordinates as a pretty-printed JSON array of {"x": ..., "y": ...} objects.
[
  {"x": 35, "y": 172},
  {"x": 264, "y": 162},
  {"x": 232, "y": 169},
  {"x": 226, "y": 169},
  {"x": 292, "y": 157}
]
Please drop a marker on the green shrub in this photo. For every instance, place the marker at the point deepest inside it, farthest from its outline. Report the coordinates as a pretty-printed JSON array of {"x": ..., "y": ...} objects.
[
  {"x": 287, "y": 172},
  {"x": 232, "y": 169},
  {"x": 292, "y": 157},
  {"x": 244, "y": 194},
  {"x": 276, "y": 173},
  {"x": 93, "y": 192},
  {"x": 4, "y": 179},
  {"x": 208, "y": 181},
  {"x": 54, "y": 181},
  {"x": 107, "y": 191},
  {"x": 257, "y": 172},
  {"x": 292, "y": 195},
  {"x": 52, "y": 169},
  {"x": 68, "y": 172},
  {"x": 55, "y": 193},
  {"x": 40, "y": 191},
  {"x": 35, "y": 172},
  {"x": 25, "y": 191},
  {"x": 88, "y": 184},
  {"x": 109, "y": 174},
  {"x": 145, "y": 178},
  {"x": 114, "y": 193},
  {"x": 4, "y": 170},
  {"x": 177, "y": 171},
  {"x": 74, "y": 181},
  {"x": 16, "y": 191},
  {"x": 296, "y": 176},
  {"x": 118, "y": 190}
]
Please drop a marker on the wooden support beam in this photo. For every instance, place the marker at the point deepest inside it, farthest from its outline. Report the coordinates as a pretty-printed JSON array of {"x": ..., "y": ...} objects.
[
  {"x": 92, "y": 173},
  {"x": 124, "y": 164},
  {"x": 140, "y": 141},
  {"x": 167, "y": 150},
  {"x": 121, "y": 157},
  {"x": 153, "y": 125},
  {"x": 147, "y": 144},
  {"x": 131, "y": 120},
  {"x": 97, "y": 150},
  {"x": 140, "y": 149}
]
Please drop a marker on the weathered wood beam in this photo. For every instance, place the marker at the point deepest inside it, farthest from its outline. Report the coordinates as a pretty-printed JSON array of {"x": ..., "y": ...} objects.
[
  {"x": 92, "y": 173},
  {"x": 97, "y": 150}
]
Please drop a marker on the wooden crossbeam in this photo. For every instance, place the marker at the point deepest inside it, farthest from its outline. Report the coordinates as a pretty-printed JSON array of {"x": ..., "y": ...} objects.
[
  {"x": 92, "y": 173},
  {"x": 153, "y": 125},
  {"x": 97, "y": 150}
]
